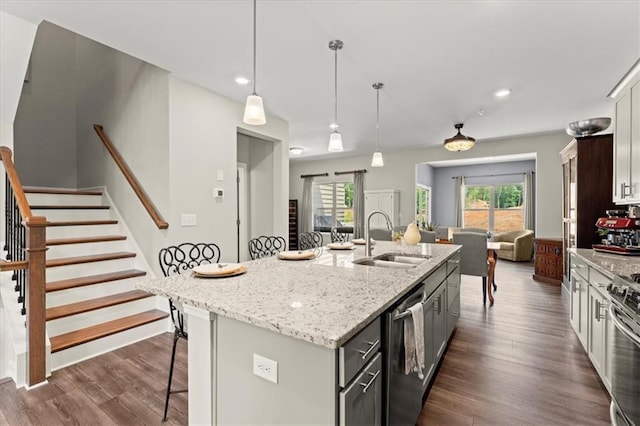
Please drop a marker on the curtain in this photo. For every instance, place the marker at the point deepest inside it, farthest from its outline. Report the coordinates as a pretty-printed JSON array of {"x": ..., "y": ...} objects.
[
  {"x": 459, "y": 200},
  {"x": 358, "y": 205},
  {"x": 306, "y": 209},
  {"x": 529, "y": 219}
]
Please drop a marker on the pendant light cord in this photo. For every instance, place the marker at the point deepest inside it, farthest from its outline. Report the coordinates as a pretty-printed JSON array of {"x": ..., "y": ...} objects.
[
  {"x": 336, "y": 88},
  {"x": 254, "y": 47},
  {"x": 377, "y": 119}
]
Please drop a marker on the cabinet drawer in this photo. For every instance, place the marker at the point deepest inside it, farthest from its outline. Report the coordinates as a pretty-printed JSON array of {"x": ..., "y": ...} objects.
[
  {"x": 598, "y": 279},
  {"x": 578, "y": 266},
  {"x": 434, "y": 280},
  {"x": 358, "y": 351},
  {"x": 361, "y": 402},
  {"x": 453, "y": 263}
]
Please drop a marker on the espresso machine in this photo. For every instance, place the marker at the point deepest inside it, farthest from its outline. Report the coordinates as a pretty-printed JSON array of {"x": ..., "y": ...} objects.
[{"x": 622, "y": 233}]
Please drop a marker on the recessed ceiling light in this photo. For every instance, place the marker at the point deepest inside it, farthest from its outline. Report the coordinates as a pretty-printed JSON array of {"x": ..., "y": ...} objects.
[
  {"x": 296, "y": 150},
  {"x": 243, "y": 81},
  {"x": 481, "y": 112},
  {"x": 502, "y": 93}
]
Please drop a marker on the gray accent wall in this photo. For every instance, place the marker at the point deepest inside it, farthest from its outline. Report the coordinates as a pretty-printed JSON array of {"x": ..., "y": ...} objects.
[
  {"x": 399, "y": 172},
  {"x": 443, "y": 209}
]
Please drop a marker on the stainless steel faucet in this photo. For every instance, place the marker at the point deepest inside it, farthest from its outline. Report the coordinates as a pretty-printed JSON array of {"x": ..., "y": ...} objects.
[{"x": 367, "y": 244}]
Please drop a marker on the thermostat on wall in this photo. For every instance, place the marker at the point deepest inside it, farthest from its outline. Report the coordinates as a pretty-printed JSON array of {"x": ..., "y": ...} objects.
[{"x": 218, "y": 192}]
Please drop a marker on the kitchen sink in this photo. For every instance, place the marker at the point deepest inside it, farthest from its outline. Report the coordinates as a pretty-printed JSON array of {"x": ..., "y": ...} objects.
[
  {"x": 368, "y": 261},
  {"x": 408, "y": 258}
]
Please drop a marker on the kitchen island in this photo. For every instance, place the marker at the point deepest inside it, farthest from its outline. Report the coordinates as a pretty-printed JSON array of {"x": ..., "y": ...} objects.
[{"x": 297, "y": 313}]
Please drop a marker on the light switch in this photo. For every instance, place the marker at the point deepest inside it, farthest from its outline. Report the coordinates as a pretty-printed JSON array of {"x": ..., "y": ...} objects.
[
  {"x": 220, "y": 175},
  {"x": 188, "y": 219}
]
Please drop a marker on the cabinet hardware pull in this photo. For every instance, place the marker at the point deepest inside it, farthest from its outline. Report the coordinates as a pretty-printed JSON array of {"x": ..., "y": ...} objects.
[
  {"x": 623, "y": 190},
  {"x": 374, "y": 376},
  {"x": 439, "y": 303},
  {"x": 597, "y": 311},
  {"x": 372, "y": 345}
]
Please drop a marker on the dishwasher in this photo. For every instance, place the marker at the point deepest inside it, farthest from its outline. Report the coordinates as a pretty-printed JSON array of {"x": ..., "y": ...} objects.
[{"x": 403, "y": 392}]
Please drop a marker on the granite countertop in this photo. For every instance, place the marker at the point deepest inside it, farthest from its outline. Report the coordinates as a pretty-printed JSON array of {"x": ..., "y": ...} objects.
[
  {"x": 610, "y": 264},
  {"x": 325, "y": 301}
]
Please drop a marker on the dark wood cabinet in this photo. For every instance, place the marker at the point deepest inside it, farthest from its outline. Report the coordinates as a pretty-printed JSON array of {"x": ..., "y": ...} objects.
[
  {"x": 548, "y": 260},
  {"x": 587, "y": 170},
  {"x": 293, "y": 224}
]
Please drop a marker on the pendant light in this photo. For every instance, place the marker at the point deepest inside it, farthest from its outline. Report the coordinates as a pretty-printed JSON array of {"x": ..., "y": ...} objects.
[
  {"x": 253, "y": 109},
  {"x": 335, "y": 139},
  {"x": 376, "y": 160},
  {"x": 459, "y": 142}
]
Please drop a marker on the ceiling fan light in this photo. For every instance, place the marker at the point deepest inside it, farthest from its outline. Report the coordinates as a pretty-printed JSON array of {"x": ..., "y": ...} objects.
[
  {"x": 335, "y": 142},
  {"x": 377, "y": 160},
  {"x": 254, "y": 111},
  {"x": 459, "y": 142}
]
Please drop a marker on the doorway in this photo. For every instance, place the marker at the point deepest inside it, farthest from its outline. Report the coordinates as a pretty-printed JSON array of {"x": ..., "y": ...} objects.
[{"x": 241, "y": 220}]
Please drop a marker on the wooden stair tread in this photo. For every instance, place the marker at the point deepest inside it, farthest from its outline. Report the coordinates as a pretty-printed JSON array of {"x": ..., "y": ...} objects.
[
  {"x": 69, "y": 207},
  {"x": 75, "y": 260},
  {"x": 88, "y": 334},
  {"x": 93, "y": 279},
  {"x": 60, "y": 191},
  {"x": 93, "y": 304},
  {"x": 82, "y": 240},
  {"x": 82, "y": 222}
]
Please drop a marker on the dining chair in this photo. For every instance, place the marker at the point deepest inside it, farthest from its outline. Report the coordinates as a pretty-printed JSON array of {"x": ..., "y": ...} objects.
[
  {"x": 380, "y": 234},
  {"x": 265, "y": 246},
  {"x": 477, "y": 230},
  {"x": 310, "y": 240},
  {"x": 175, "y": 260},
  {"x": 339, "y": 237},
  {"x": 427, "y": 236},
  {"x": 473, "y": 257}
]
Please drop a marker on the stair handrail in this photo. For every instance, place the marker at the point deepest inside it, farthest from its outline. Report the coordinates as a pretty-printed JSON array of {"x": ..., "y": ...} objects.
[
  {"x": 128, "y": 174},
  {"x": 25, "y": 243}
]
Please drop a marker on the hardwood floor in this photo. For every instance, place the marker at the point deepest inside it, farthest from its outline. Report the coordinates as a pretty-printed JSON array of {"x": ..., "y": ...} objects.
[
  {"x": 516, "y": 363},
  {"x": 123, "y": 387}
]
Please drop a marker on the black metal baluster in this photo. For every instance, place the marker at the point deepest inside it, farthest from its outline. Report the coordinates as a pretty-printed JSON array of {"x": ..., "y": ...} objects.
[{"x": 7, "y": 207}]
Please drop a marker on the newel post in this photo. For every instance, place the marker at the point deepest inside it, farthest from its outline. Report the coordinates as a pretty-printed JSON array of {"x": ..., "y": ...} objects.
[{"x": 36, "y": 301}]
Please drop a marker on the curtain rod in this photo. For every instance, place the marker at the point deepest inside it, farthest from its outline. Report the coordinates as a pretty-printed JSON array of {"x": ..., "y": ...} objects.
[
  {"x": 351, "y": 171},
  {"x": 499, "y": 174},
  {"x": 316, "y": 175}
]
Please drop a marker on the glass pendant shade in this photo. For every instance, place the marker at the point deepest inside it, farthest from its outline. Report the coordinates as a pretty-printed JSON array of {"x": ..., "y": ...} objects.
[
  {"x": 459, "y": 142},
  {"x": 335, "y": 142},
  {"x": 254, "y": 111},
  {"x": 376, "y": 160}
]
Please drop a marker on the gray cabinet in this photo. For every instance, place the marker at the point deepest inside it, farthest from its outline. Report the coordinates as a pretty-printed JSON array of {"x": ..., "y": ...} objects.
[
  {"x": 453, "y": 293},
  {"x": 626, "y": 147},
  {"x": 360, "y": 377},
  {"x": 361, "y": 400}
]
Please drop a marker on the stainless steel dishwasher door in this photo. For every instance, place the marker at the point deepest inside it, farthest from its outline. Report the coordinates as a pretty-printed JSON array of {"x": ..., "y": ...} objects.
[{"x": 404, "y": 392}]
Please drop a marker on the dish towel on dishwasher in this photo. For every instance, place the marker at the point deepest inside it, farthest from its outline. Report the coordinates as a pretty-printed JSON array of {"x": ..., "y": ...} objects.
[{"x": 414, "y": 341}]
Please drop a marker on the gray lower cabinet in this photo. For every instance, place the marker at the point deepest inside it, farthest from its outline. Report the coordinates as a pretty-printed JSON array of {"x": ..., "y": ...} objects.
[
  {"x": 579, "y": 313},
  {"x": 360, "y": 378},
  {"x": 361, "y": 400},
  {"x": 453, "y": 293}
]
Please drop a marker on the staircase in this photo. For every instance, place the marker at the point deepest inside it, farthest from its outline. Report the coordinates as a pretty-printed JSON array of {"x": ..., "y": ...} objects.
[{"x": 92, "y": 264}]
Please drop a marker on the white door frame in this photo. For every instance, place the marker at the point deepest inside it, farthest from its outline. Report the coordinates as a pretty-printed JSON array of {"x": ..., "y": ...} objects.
[{"x": 243, "y": 224}]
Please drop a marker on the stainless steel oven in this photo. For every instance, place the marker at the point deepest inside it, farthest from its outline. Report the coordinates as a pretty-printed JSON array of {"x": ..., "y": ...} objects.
[{"x": 624, "y": 351}]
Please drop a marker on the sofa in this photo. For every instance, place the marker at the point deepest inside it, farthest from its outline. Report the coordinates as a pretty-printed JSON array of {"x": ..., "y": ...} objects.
[{"x": 516, "y": 246}]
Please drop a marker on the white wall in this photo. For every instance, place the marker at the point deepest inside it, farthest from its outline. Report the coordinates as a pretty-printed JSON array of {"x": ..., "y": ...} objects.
[
  {"x": 399, "y": 172},
  {"x": 16, "y": 41},
  {"x": 130, "y": 98},
  {"x": 45, "y": 124},
  {"x": 204, "y": 131}
]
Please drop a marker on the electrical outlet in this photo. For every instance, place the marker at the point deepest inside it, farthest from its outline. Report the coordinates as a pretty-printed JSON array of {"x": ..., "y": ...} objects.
[
  {"x": 188, "y": 220},
  {"x": 265, "y": 368}
]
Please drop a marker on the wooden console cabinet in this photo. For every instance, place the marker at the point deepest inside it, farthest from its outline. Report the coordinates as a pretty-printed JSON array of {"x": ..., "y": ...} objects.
[{"x": 548, "y": 260}]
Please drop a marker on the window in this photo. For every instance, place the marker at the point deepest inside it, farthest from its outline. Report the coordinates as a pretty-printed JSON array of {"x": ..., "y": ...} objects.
[
  {"x": 333, "y": 206},
  {"x": 423, "y": 205},
  {"x": 497, "y": 208}
]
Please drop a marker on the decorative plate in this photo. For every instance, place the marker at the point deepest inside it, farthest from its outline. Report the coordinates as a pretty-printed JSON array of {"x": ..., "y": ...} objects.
[
  {"x": 296, "y": 255},
  {"x": 340, "y": 246}
]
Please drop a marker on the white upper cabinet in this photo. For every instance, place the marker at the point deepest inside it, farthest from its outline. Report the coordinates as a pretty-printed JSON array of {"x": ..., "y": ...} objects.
[
  {"x": 626, "y": 146},
  {"x": 385, "y": 200}
]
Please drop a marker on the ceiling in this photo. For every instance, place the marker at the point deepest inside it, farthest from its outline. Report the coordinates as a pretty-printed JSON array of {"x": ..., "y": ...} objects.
[{"x": 440, "y": 61}]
